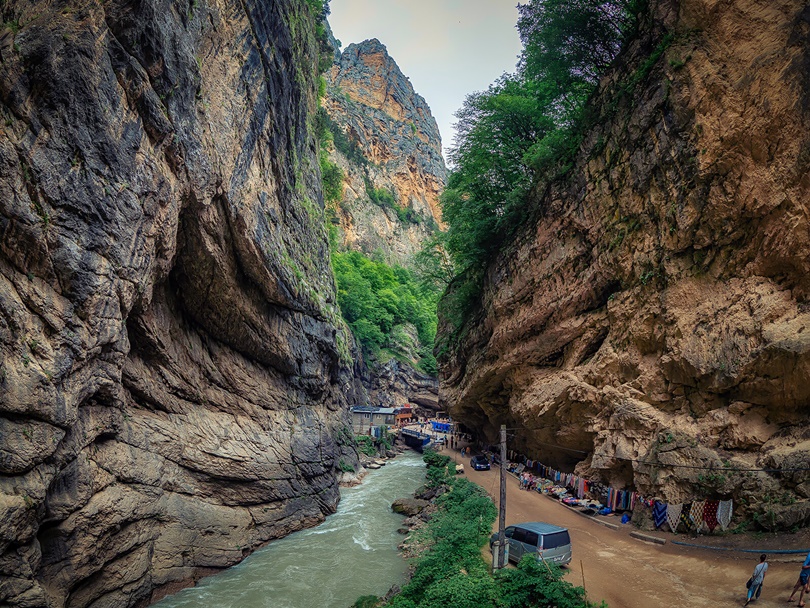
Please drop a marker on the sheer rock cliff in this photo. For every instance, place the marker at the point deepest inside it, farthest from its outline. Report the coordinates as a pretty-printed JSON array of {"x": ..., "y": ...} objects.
[
  {"x": 395, "y": 147},
  {"x": 175, "y": 372},
  {"x": 374, "y": 104},
  {"x": 656, "y": 309}
]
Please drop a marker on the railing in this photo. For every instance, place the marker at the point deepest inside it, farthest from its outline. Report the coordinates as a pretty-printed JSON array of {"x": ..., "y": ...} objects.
[
  {"x": 416, "y": 439},
  {"x": 417, "y": 434}
]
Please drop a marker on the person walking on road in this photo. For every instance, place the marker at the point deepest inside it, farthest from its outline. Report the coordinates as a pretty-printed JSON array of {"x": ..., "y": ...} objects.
[
  {"x": 757, "y": 578},
  {"x": 803, "y": 582}
]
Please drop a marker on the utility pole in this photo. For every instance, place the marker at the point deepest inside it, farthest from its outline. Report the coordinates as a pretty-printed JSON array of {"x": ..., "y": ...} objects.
[{"x": 502, "y": 506}]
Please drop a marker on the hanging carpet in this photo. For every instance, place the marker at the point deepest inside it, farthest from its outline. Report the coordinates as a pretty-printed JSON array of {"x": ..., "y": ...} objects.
[
  {"x": 659, "y": 513},
  {"x": 674, "y": 515}
]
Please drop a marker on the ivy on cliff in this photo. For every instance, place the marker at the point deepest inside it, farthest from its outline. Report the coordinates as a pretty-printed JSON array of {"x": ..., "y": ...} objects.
[
  {"x": 329, "y": 130},
  {"x": 385, "y": 199},
  {"x": 320, "y": 11}
]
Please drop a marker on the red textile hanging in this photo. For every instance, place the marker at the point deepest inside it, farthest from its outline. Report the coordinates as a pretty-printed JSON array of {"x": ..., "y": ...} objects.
[{"x": 710, "y": 514}]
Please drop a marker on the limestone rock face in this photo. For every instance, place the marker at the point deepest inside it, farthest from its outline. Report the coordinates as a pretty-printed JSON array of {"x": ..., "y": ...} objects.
[
  {"x": 396, "y": 149},
  {"x": 174, "y": 371},
  {"x": 376, "y": 108},
  {"x": 657, "y": 311},
  {"x": 393, "y": 384}
]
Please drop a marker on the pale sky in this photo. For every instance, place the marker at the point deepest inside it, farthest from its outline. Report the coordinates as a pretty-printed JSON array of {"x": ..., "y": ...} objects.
[{"x": 448, "y": 48}]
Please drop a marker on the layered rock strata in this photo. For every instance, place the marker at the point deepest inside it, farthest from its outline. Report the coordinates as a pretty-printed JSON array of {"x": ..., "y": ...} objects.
[
  {"x": 395, "y": 149},
  {"x": 393, "y": 384},
  {"x": 174, "y": 369},
  {"x": 650, "y": 329},
  {"x": 375, "y": 107}
]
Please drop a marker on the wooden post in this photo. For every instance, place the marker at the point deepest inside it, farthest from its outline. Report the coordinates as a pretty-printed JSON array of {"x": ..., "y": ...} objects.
[
  {"x": 582, "y": 568},
  {"x": 502, "y": 506}
]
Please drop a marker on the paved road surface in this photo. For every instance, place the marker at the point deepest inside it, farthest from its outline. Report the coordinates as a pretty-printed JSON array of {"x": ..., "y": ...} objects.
[{"x": 629, "y": 573}]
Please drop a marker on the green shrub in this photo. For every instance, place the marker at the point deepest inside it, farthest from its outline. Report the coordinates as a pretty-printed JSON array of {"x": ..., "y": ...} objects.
[
  {"x": 365, "y": 445},
  {"x": 385, "y": 199},
  {"x": 460, "y": 300},
  {"x": 332, "y": 178},
  {"x": 345, "y": 467},
  {"x": 329, "y": 131},
  {"x": 386, "y": 439},
  {"x": 427, "y": 361},
  {"x": 435, "y": 460},
  {"x": 452, "y": 573},
  {"x": 376, "y": 299},
  {"x": 535, "y": 583},
  {"x": 319, "y": 9}
]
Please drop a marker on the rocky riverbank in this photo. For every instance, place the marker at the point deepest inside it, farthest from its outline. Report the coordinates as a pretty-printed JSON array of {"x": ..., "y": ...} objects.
[
  {"x": 417, "y": 510},
  {"x": 348, "y": 479}
]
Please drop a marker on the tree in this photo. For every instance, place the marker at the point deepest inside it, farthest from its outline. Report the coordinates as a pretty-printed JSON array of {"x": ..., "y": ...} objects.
[
  {"x": 434, "y": 267},
  {"x": 378, "y": 300},
  {"x": 491, "y": 175},
  {"x": 527, "y": 125},
  {"x": 570, "y": 43}
]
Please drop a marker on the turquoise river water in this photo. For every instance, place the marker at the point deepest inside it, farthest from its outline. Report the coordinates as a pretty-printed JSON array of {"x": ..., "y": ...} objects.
[{"x": 353, "y": 553}]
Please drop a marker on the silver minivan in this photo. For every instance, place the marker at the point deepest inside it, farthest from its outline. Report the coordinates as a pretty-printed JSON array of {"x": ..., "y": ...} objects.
[{"x": 549, "y": 542}]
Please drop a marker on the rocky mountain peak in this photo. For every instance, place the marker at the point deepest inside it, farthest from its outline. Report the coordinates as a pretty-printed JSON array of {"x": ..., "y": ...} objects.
[
  {"x": 369, "y": 76},
  {"x": 389, "y": 147}
]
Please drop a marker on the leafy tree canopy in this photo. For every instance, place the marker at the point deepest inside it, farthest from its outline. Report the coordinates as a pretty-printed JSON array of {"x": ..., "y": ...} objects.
[
  {"x": 495, "y": 131},
  {"x": 568, "y": 44},
  {"x": 527, "y": 125},
  {"x": 377, "y": 300}
]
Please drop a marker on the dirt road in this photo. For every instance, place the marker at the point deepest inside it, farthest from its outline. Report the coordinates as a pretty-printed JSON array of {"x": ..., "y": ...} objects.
[{"x": 629, "y": 573}]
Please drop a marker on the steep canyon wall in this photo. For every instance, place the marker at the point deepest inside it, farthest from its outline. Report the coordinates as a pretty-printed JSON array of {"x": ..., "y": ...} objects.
[
  {"x": 395, "y": 149},
  {"x": 657, "y": 310},
  {"x": 374, "y": 104},
  {"x": 175, "y": 370}
]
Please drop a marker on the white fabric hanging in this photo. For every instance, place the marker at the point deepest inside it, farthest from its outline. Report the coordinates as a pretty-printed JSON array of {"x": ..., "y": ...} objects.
[
  {"x": 724, "y": 511},
  {"x": 674, "y": 515}
]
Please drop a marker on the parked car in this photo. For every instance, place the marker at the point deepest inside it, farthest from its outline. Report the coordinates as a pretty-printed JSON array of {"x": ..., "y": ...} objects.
[
  {"x": 548, "y": 542},
  {"x": 479, "y": 463}
]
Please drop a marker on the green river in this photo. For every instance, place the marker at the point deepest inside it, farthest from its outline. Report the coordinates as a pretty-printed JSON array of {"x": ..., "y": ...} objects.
[{"x": 353, "y": 553}]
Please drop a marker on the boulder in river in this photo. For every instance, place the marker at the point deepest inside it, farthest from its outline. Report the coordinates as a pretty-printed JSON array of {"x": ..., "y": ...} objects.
[{"x": 409, "y": 506}]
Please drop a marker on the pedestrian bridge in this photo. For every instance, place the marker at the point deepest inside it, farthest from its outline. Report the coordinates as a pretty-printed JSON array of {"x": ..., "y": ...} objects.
[{"x": 416, "y": 439}]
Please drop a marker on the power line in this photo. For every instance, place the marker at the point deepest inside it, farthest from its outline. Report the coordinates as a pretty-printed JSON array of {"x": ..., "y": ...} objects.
[
  {"x": 680, "y": 466},
  {"x": 723, "y": 468}
]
